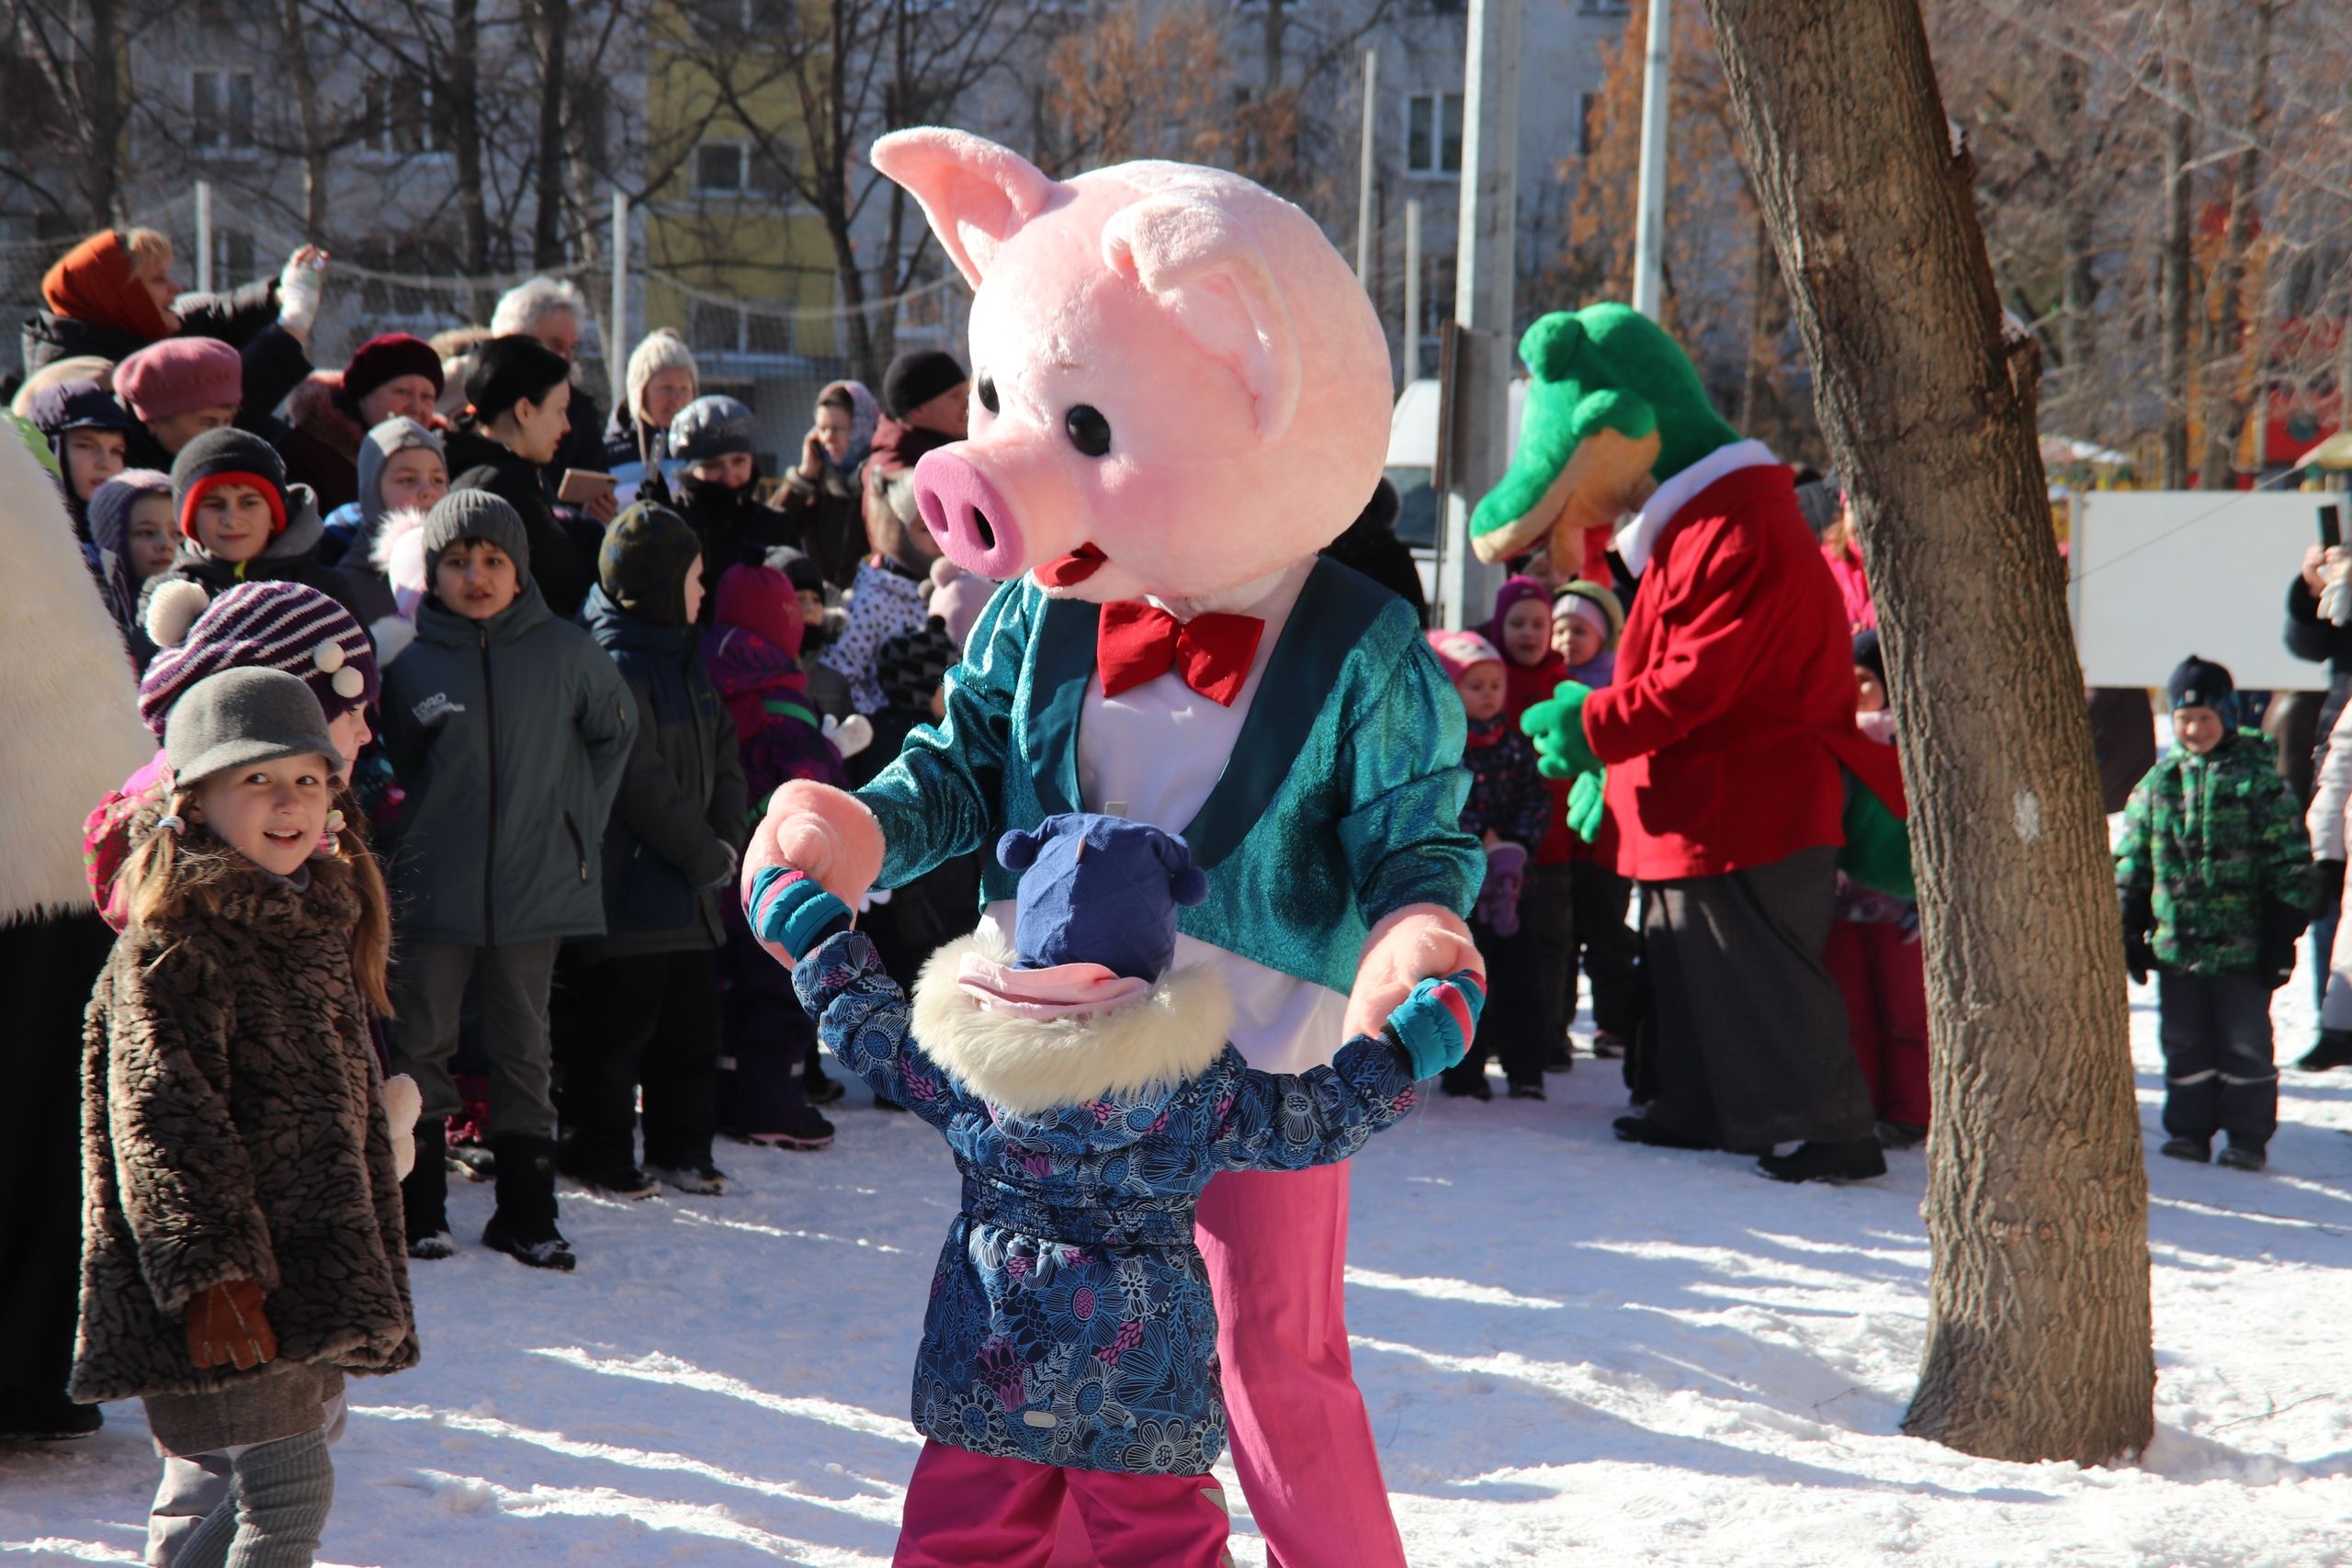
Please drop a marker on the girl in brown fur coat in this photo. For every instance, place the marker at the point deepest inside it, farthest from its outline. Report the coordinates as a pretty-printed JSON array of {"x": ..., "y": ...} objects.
[{"x": 242, "y": 1239}]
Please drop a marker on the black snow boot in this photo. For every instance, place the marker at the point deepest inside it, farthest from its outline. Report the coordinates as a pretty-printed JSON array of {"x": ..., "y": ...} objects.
[
  {"x": 2334, "y": 1049},
  {"x": 424, "y": 1194},
  {"x": 1854, "y": 1159},
  {"x": 1645, "y": 1130},
  {"x": 523, "y": 1227},
  {"x": 2196, "y": 1150},
  {"x": 2244, "y": 1156}
]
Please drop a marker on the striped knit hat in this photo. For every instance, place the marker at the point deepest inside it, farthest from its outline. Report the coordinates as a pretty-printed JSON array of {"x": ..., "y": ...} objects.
[{"x": 277, "y": 626}]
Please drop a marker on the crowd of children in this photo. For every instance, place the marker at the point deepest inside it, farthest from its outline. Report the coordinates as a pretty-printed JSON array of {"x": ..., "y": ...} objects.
[{"x": 371, "y": 636}]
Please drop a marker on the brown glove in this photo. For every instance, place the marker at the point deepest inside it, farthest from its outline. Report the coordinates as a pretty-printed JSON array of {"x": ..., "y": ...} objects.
[{"x": 226, "y": 1326}]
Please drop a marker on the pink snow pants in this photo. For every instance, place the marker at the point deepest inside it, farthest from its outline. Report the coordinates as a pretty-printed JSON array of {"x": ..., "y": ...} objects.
[
  {"x": 1276, "y": 1243},
  {"x": 969, "y": 1510}
]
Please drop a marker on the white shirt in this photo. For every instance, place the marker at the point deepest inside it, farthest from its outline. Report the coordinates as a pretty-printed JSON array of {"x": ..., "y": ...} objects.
[{"x": 1153, "y": 754}]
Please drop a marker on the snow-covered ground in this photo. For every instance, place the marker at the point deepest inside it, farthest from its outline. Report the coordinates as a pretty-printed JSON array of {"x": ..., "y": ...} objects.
[{"x": 1574, "y": 1351}]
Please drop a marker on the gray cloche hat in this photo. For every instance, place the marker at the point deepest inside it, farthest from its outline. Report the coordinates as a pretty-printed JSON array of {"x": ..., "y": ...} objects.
[{"x": 242, "y": 717}]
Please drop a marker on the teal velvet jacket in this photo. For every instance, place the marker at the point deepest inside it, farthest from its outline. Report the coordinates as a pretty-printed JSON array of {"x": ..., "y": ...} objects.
[{"x": 1340, "y": 803}]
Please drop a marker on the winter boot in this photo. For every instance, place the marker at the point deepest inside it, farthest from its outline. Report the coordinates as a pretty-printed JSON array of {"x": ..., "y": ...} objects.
[
  {"x": 1607, "y": 1046},
  {"x": 700, "y": 1178},
  {"x": 1853, "y": 1160},
  {"x": 2244, "y": 1156},
  {"x": 1526, "y": 1091},
  {"x": 2334, "y": 1049},
  {"x": 523, "y": 1227},
  {"x": 1901, "y": 1135},
  {"x": 1644, "y": 1129},
  {"x": 799, "y": 1127},
  {"x": 425, "y": 1195},
  {"x": 45, "y": 1415},
  {"x": 2196, "y": 1150}
]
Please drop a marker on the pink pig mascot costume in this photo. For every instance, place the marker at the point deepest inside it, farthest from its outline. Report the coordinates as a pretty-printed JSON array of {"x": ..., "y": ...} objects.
[{"x": 1180, "y": 394}]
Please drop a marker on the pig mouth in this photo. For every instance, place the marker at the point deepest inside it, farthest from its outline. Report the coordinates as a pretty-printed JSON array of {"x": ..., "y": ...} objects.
[{"x": 1068, "y": 571}]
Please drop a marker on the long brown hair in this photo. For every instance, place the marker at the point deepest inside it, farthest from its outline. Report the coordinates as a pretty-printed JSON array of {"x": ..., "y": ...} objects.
[{"x": 173, "y": 874}]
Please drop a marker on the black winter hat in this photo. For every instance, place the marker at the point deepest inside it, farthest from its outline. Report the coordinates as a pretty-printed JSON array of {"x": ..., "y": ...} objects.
[
  {"x": 909, "y": 667},
  {"x": 2202, "y": 684},
  {"x": 223, "y": 457},
  {"x": 710, "y": 428},
  {"x": 1868, "y": 655},
  {"x": 916, "y": 377},
  {"x": 508, "y": 370},
  {"x": 642, "y": 566},
  {"x": 470, "y": 513}
]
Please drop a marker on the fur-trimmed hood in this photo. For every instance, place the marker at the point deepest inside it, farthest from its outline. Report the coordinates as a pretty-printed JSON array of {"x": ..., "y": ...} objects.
[
  {"x": 1030, "y": 1066},
  {"x": 69, "y": 709}
]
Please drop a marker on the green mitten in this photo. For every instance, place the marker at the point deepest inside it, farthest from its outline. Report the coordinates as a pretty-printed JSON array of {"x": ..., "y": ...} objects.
[
  {"x": 1878, "y": 846},
  {"x": 1584, "y": 808},
  {"x": 1557, "y": 728}
]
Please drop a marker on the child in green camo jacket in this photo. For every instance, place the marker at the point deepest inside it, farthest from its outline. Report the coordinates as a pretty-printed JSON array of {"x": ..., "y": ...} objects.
[{"x": 2214, "y": 873}]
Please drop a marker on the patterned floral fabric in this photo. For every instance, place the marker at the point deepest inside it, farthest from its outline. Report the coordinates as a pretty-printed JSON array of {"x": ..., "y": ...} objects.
[{"x": 1070, "y": 1319}]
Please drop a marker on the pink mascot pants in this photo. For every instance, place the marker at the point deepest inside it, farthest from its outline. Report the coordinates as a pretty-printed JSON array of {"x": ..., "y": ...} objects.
[
  {"x": 1276, "y": 1243},
  {"x": 969, "y": 1510}
]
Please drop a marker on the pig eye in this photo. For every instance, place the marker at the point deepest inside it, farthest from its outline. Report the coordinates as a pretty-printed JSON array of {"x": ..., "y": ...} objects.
[
  {"x": 1089, "y": 431},
  {"x": 987, "y": 394}
]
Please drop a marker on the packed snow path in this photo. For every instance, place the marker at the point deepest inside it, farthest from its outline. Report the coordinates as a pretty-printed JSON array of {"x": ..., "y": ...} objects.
[{"x": 1574, "y": 1351}]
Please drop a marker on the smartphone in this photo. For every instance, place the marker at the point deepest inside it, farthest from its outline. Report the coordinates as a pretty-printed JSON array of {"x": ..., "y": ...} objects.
[
  {"x": 581, "y": 487},
  {"x": 2331, "y": 527}
]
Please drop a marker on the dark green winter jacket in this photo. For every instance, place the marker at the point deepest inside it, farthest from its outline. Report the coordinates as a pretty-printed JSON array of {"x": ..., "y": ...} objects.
[
  {"x": 2215, "y": 859},
  {"x": 509, "y": 736},
  {"x": 677, "y": 828}
]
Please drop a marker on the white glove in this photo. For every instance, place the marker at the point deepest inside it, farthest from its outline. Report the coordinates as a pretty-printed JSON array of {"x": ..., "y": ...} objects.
[
  {"x": 2335, "y": 599},
  {"x": 850, "y": 736},
  {"x": 403, "y": 1099},
  {"x": 299, "y": 287}
]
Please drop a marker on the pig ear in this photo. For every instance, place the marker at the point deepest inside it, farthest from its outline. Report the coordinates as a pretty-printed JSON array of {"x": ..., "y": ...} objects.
[
  {"x": 975, "y": 194},
  {"x": 1204, "y": 266}
]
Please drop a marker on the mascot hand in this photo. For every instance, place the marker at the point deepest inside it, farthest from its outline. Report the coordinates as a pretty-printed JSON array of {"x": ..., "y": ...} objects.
[
  {"x": 1585, "y": 804},
  {"x": 1417, "y": 942},
  {"x": 825, "y": 832},
  {"x": 1557, "y": 728}
]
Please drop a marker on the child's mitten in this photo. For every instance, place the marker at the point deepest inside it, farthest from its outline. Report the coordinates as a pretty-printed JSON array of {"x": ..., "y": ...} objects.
[
  {"x": 1499, "y": 894},
  {"x": 1435, "y": 1025},
  {"x": 789, "y": 910}
]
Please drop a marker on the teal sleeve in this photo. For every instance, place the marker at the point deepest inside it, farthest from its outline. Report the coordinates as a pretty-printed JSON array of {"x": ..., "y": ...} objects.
[
  {"x": 939, "y": 797},
  {"x": 1403, "y": 833}
]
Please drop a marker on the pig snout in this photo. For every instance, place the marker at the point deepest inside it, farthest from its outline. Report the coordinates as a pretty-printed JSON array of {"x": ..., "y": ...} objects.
[{"x": 967, "y": 516}]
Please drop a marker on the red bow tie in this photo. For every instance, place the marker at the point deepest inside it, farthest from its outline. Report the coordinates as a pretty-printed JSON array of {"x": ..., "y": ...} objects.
[{"x": 1137, "y": 642}]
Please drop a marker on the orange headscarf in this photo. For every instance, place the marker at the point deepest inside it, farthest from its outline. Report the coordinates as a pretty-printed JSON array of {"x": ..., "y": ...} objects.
[{"x": 96, "y": 282}]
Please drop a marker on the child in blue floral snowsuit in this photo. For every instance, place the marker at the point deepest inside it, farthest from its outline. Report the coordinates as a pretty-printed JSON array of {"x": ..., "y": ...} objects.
[{"x": 1089, "y": 1095}]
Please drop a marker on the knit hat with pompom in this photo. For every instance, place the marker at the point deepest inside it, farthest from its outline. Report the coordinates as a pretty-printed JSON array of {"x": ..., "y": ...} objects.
[{"x": 277, "y": 626}]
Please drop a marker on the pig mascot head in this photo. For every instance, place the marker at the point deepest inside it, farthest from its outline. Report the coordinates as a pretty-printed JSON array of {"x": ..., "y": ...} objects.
[{"x": 1144, "y": 418}]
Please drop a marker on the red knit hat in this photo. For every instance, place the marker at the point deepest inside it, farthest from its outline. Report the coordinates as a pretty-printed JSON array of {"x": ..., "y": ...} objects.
[
  {"x": 96, "y": 281},
  {"x": 761, "y": 599},
  {"x": 388, "y": 359},
  {"x": 181, "y": 374}
]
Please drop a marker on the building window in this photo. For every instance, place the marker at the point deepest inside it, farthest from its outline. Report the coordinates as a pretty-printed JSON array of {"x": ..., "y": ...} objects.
[
  {"x": 1587, "y": 134},
  {"x": 220, "y": 108},
  {"x": 716, "y": 327},
  {"x": 1433, "y": 134},
  {"x": 719, "y": 169},
  {"x": 397, "y": 117}
]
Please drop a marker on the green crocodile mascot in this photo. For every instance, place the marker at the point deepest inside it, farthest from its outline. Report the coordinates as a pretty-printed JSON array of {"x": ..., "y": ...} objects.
[{"x": 1724, "y": 750}]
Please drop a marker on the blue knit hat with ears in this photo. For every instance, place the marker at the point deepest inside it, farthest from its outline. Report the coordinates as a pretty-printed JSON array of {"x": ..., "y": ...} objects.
[{"x": 1100, "y": 890}]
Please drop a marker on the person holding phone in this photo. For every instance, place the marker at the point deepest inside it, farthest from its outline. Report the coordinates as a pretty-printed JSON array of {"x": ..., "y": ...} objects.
[{"x": 821, "y": 494}]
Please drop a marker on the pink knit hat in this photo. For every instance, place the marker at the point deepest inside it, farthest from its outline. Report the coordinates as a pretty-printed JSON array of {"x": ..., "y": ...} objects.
[
  {"x": 181, "y": 374},
  {"x": 1462, "y": 652}
]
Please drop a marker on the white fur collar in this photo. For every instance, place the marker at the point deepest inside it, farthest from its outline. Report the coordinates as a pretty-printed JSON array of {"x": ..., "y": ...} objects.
[{"x": 1029, "y": 1067}]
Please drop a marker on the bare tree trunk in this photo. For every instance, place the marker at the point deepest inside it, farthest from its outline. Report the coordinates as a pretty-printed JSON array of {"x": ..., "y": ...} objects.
[
  {"x": 2179, "y": 147},
  {"x": 2038, "y": 1339},
  {"x": 547, "y": 231},
  {"x": 1767, "y": 316},
  {"x": 2232, "y": 370},
  {"x": 104, "y": 76},
  {"x": 306, "y": 107},
  {"x": 2077, "y": 331},
  {"x": 461, "y": 93}
]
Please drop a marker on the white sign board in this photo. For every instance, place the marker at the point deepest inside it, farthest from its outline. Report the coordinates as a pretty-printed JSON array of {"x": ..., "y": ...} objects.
[{"x": 2159, "y": 575}]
